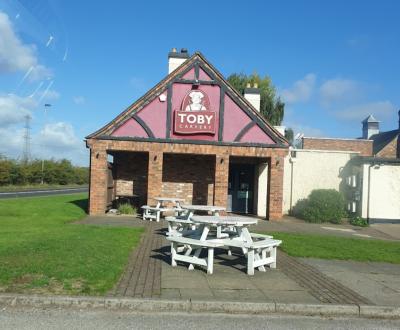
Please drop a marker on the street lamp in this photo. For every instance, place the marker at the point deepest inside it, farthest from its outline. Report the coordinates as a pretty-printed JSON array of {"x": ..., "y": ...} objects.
[{"x": 47, "y": 105}]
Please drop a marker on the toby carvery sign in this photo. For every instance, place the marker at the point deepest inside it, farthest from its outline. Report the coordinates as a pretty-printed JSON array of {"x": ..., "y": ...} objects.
[{"x": 195, "y": 116}]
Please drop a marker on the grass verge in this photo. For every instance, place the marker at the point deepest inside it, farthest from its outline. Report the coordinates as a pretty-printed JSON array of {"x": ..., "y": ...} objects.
[
  {"x": 41, "y": 252},
  {"x": 331, "y": 247}
]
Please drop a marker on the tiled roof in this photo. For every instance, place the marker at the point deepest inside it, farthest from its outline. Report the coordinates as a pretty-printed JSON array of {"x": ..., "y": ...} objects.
[{"x": 381, "y": 140}]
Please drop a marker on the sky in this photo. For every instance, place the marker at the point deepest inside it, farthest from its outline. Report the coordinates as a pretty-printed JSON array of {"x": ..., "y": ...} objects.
[{"x": 332, "y": 63}]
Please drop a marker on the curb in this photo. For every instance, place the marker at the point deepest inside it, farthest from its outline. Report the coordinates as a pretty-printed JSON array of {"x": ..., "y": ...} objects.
[{"x": 190, "y": 306}]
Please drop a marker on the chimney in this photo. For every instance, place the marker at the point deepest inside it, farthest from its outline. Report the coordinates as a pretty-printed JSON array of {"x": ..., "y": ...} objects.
[
  {"x": 252, "y": 94},
  {"x": 176, "y": 58},
  {"x": 370, "y": 127}
]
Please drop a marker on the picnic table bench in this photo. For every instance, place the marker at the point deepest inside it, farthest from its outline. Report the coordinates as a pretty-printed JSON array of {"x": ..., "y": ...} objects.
[
  {"x": 155, "y": 212},
  {"x": 259, "y": 249}
]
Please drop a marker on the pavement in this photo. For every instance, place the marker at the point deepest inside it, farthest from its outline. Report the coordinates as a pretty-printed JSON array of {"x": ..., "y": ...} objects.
[
  {"x": 35, "y": 318},
  {"x": 303, "y": 281}
]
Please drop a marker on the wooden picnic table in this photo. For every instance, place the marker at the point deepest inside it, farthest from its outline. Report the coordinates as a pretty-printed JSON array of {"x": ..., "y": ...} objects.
[
  {"x": 255, "y": 250},
  {"x": 207, "y": 208}
]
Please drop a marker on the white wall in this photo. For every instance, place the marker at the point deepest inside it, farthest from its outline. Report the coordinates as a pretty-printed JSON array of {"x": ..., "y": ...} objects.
[
  {"x": 384, "y": 192},
  {"x": 262, "y": 189},
  {"x": 312, "y": 169}
]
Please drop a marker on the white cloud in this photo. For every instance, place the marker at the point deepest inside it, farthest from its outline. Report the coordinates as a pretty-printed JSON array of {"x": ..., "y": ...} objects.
[
  {"x": 49, "y": 95},
  {"x": 305, "y": 129},
  {"x": 16, "y": 56},
  {"x": 380, "y": 110},
  {"x": 339, "y": 90},
  {"x": 58, "y": 140},
  {"x": 79, "y": 100},
  {"x": 14, "y": 108},
  {"x": 301, "y": 90}
]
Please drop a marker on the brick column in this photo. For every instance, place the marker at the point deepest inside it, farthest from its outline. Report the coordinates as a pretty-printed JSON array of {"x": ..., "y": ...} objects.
[
  {"x": 98, "y": 181},
  {"x": 221, "y": 180},
  {"x": 275, "y": 196},
  {"x": 154, "y": 177}
]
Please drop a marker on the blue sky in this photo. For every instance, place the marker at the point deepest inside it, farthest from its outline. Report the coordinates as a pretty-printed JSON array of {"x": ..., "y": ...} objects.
[{"x": 332, "y": 63}]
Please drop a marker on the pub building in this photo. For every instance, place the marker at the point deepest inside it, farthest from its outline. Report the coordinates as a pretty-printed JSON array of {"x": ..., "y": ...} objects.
[{"x": 192, "y": 136}]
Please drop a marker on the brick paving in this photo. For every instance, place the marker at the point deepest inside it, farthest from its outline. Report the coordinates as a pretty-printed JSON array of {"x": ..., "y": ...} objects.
[
  {"x": 142, "y": 275},
  {"x": 322, "y": 287}
]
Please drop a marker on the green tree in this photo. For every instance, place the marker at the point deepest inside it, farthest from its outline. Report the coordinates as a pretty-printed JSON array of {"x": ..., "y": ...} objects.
[
  {"x": 289, "y": 135},
  {"x": 271, "y": 106}
]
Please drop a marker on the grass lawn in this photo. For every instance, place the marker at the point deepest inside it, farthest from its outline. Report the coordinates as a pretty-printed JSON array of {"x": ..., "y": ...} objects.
[
  {"x": 41, "y": 251},
  {"x": 332, "y": 247}
]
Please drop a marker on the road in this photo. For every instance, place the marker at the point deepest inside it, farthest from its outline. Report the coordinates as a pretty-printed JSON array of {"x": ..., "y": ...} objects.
[
  {"x": 12, "y": 318},
  {"x": 44, "y": 192}
]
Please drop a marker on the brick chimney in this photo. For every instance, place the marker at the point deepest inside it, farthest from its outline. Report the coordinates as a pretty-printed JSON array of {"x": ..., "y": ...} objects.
[
  {"x": 252, "y": 94},
  {"x": 370, "y": 127},
  {"x": 176, "y": 58}
]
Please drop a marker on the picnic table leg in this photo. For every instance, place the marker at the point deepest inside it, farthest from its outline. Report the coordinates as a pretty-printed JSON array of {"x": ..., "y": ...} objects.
[
  {"x": 250, "y": 262},
  {"x": 210, "y": 260},
  {"x": 273, "y": 255},
  {"x": 203, "y": 237},
  {"x": 173, "y": 254},
  {"x": 256, "y": 258}
]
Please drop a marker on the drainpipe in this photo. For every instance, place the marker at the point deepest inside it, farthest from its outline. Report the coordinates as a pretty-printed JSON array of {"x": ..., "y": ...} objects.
[
  {"x": 369, "y": 190},
  {"x": 291, "y": 161}
]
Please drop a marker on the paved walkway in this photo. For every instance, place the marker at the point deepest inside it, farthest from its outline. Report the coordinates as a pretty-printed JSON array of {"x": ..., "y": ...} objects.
[{"x": 296, "y": 280}]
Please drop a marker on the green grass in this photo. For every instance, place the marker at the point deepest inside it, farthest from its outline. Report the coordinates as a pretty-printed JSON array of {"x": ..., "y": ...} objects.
[
  {"x": 333, "y": 247},
  {"x": 41, "y": 251}
]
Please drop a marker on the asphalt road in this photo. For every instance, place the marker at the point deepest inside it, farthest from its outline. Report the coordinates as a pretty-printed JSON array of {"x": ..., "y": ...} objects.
[
  {"x": 44, "y": 192},
  {"x": 12, "y": 318}
]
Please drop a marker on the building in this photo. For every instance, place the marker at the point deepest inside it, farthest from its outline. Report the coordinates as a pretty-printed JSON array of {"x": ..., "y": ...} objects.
[
  {"x": 191, "y": 136},
  {"x": 365, "y": 170}
]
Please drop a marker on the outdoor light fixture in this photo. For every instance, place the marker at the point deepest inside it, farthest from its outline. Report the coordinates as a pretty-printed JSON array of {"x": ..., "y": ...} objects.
[
  {"x": 221, "y": 161},
  {"x": 155, "y": 158}
]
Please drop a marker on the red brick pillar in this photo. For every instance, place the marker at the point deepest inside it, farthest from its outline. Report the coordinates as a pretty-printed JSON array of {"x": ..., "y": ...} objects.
[
  {"x": 98, "y": 181},
  {"x": 221, "y": 180},
  {"x": 154, "y": 178},
  {"x": 275, "y": 197}
]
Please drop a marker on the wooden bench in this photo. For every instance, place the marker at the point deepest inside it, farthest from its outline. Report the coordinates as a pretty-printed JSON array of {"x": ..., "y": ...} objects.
[
  {"x": 257, "y": 254},
  {"x": 152, "y": 212},
  {"x": 193, "y": 244},
  {"x": 179, "y": 225}
]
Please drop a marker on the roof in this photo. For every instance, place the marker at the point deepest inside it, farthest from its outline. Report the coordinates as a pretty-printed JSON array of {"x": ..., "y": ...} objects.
[
  {"x": 358, "y": 160},
  {"x": 196, "y": 59},
  {"x": 370, "y": 119},
  {"x": 381, "y": 140}
]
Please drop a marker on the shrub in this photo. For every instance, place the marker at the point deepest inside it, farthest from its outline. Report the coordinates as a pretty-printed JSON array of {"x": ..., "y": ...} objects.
[
  {"x": 358, "y": 221},
  {"x": 126, "y": 208},
  {"x": 322, "y": 205}
]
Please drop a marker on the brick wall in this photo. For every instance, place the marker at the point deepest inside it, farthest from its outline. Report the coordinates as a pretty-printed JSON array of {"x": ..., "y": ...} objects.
[
  {"x": 190, "y": 177},
  {"x": 220, "y": 156},
  {"x": 130, "y": 174},
  {"x": 364, "y": 147},
  {"x": 390, "y": 150}
]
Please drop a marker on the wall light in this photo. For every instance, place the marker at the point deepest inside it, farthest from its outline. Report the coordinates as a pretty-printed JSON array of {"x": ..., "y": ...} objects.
[{"x": 155, "y": 158}]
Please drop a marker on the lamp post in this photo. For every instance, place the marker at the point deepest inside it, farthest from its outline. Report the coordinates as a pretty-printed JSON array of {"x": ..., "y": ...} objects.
[{"x": 47, "y": 105}]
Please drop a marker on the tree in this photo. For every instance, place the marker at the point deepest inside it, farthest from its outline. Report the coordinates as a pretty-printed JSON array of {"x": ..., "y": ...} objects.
[
  {"x": 289, "y": 135},
  {"x": 271, "y": 106}
]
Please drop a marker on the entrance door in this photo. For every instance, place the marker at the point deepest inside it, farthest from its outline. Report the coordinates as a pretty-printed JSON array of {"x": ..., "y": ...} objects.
[{"x": 241, "y": 188}]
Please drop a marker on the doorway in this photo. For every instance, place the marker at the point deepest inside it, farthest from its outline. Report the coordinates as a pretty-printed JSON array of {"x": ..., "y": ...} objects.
[{"x": 241, "y": 188}]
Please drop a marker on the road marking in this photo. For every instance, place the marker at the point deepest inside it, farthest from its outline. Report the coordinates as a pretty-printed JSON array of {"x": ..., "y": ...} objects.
[
  {"x": 362, "y": 235},
  {"x": 340, "y": 229}
]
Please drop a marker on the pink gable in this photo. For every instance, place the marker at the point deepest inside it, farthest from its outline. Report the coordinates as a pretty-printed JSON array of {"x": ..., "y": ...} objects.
[
  {"x": 234, "y": 120},
  {"x": 179, "y": 92},
  {"x": 130, "y": 128},
  {"x": 155, "y": 116},
  {"x": 189, "y": 75},
  {"x": 256, "y": 135},
  {"x": 203, "y": 75}
]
